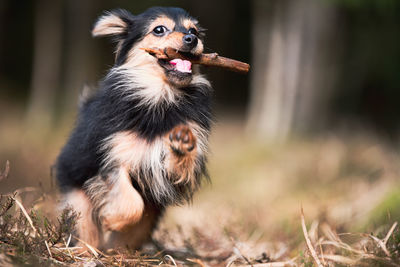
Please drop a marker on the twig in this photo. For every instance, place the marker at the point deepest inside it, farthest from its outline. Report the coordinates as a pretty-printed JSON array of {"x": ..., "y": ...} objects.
[
  {"x": 172, "y": 259},
  {"x": 69, "y": 240},
  {"x": 67, "y": 247},
  {"x": 381, "y": 244},
  {"x": 322, "y": 253},
  {"x": 25, "y": 213},
  {"x": 94, "y": 251},
  {"x": 308, "y": 241},
  {"x": 212, "y": 59},
  {"x": 48, "y": 249},
  {"x": 386, "y": 239},
  {"x": 6, "y": 171}
]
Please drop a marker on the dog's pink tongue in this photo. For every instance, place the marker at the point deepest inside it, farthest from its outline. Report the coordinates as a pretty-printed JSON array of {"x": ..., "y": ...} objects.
[{"x": 182, "y": 65}]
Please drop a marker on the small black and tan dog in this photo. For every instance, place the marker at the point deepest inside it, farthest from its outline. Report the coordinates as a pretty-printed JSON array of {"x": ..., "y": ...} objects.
[{"x": 140, "y": 142}]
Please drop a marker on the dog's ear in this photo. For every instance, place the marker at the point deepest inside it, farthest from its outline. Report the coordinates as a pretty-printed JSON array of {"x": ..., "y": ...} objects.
[{"x": 113, "y": 23}]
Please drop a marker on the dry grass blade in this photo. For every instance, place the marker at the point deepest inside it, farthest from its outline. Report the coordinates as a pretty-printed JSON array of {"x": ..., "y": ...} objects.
[
  {"x": 239, "y": 252},
  {"x": 381, "y": 244},
  {"x": 308, "y": 241},
  {"x": 340, "y": 259},
  {"x": 6, "y": 171},
  {"x": 328, "y": 232},
  {"x": 48, "y": 249},
  {"x": 385, "y": 240},
  {"x": 67, "y": 247},
  {"x": 25, "y": 213},
  {"x": 230, "y": 262},
  {"x": 322, "y": 252},
  {"x": 172, "y": 259},
  {"x": 94, "y": 251},
  {"x": 342, "y": 246},
  {"x": 274, "y": 264},
  {"x": 69, "y": 240},
  {"x": 198, "y": 261}
]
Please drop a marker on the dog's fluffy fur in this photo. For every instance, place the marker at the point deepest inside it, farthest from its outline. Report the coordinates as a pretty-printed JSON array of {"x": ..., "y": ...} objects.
[{"x": 140, "y": 142}]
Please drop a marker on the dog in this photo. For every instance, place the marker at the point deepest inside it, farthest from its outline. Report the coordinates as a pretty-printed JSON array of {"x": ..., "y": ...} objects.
[{"x": 140, "y": 141}]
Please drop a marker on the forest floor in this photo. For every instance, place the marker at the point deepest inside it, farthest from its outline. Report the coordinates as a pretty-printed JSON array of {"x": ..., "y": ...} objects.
[{"x": 348, "y": 187}]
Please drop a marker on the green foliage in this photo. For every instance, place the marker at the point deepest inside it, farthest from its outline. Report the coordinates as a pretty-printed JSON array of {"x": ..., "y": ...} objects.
[
  {"x": 306, "y": 261},
  {"x": 387, "y": 211},
  {"x": 394, "y": 244}
]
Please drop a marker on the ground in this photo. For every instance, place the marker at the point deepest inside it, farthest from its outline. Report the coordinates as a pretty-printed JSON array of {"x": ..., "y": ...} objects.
[{"x": 250, "y": 214}]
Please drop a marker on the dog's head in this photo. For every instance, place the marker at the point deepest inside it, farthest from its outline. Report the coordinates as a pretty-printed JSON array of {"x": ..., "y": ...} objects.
[{"x": 157, "y": 27}]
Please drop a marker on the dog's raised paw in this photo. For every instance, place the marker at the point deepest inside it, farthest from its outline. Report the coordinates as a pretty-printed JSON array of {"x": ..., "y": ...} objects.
[{"x": 182, "y": 140}]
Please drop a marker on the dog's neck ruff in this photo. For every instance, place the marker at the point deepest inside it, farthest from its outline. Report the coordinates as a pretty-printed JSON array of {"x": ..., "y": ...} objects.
[{"x": 148, "y": 89}]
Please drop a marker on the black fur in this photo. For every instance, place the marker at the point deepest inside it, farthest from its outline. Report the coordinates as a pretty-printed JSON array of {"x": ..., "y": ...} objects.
[
  {"x": 110, "y": 111},
  {"x": 137, "y": 25}
]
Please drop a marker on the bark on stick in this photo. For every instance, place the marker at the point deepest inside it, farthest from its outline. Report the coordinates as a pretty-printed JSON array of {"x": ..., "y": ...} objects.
[{"x": 212, "y": 59}]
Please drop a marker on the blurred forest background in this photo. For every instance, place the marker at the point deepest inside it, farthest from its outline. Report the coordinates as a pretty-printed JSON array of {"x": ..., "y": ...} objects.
[{"x": 317, "y": 119}]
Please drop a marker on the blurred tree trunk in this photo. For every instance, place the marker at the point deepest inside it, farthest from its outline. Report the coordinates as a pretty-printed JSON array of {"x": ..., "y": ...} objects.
[
  {"x": 79, "y": 61},
  {"x": 290, "y": 85},
  {"x": 46, "y": 63},
  {"x": 3, "y": 7}
]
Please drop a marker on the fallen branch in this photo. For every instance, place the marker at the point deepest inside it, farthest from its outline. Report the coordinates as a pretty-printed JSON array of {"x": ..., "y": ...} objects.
[{"x": 212, "y": 59}]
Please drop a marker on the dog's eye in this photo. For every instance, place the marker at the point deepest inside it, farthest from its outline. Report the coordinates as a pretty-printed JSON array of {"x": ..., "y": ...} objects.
[
  {"x": 193, "y": 31},
  {"x": 159, "y": 30}
]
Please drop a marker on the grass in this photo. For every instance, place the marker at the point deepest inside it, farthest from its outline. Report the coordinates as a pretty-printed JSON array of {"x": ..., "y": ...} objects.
[{"x": 250, "y": 214}]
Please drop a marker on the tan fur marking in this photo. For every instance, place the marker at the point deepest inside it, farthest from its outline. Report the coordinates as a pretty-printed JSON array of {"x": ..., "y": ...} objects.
[
  {"x": 129, "y": 150},
  {"x": 126, "y": 149},
  {"x": 188, "y": 23},
  {"x": 135, "y": 235},
  {"x": 201, "y": 138},
  {"x": 109, "y": 24},
  {"x": 85, "y": 227},
  {"x": 162, "y": 21},
  {"x": 123, "y": 205}
]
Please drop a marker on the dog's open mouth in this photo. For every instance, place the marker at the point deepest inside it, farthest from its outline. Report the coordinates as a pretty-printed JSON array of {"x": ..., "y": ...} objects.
[
  {"x": 176, "y": 65},
  {"x": 181, "y": 65},
  {"x": 178, "y": 71}
]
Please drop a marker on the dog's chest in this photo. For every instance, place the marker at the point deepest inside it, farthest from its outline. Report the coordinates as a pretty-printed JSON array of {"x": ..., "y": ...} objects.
[{"x": 128, "y": 150}]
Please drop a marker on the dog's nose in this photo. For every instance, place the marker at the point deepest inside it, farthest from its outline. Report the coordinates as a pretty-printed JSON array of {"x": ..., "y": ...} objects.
[{"x": 190, "y": 40}]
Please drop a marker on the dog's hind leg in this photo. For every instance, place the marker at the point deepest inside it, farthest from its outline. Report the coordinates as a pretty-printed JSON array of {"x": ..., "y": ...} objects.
[
  {"x": 85, "y": 227},
  {"x": 117, "y": 204},
  {"x": 136, "y": 235}
]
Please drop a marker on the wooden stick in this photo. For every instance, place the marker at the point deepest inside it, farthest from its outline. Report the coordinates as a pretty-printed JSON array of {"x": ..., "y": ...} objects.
[{"x": 212, "y": 59}]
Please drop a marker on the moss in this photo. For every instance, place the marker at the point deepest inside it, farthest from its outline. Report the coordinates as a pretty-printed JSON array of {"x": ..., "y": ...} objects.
[{"x": 386, "y": 212}]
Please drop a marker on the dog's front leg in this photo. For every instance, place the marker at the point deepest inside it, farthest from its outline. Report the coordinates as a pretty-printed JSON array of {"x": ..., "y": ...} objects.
[{"x": 182, "y": 146}]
